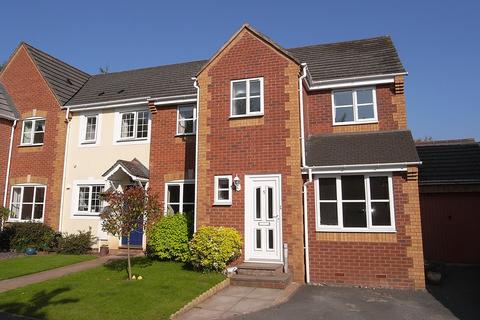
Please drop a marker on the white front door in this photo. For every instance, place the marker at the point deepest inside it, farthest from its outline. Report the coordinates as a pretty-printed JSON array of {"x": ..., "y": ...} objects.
[{"x": 263, "y": 216}]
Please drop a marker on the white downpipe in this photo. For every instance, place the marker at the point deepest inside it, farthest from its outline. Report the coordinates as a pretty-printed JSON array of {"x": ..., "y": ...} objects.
[
  {"x": 305, "y": 223},
  {"x": 62, "y": 196},
  {"x": 305, "y": 198},
  {"x": 302, "y": 121},
  {"x": 195, "y": 84},
  {"x": 5, "y": 191}
]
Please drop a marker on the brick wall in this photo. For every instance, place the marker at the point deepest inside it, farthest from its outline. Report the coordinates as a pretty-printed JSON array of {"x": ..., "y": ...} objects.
[
  {"x": 171, "y": 157},
  {"x": 5, "y": 130},
  {"x": 390, "y": 108},
  {"x": 268, "y": 144},
  {"x": 372, "y": 259},
  {"x": 43, "y": 164}
]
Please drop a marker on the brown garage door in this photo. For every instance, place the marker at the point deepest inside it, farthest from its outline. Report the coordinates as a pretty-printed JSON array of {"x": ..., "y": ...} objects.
[{"x": 451, "y": 226}]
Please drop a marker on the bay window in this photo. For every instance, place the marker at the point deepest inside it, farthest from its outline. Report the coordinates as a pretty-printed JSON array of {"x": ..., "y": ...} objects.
[{"x": 355, "y": 203}]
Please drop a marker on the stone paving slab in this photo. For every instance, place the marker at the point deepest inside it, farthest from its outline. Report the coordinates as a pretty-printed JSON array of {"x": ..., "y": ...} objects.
[
  {"x": 14, "y": 283},
  {"x": 235, "y": 301}
]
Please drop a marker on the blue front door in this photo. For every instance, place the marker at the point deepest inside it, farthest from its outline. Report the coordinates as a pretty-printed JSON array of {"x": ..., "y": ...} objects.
[{"x": 136, "y": 238}]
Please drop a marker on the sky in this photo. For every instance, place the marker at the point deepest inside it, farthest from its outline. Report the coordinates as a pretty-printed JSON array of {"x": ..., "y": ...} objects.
[{"x": 438, "y": 41}]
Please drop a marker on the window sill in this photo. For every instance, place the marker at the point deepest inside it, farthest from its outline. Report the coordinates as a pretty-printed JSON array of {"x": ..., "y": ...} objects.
[
  {"x": 222, "y": 203},
  {"x": 24, "y": 221},
  {"x": 357, "y": 230},
  {"x": 252, "y": 115},
  {"x": 88, "y": 143},
  {"x": 86, "y": 216},
  {"x": 184, "y": 134},
  {"x": 355, "y": 123},
  {"x": 30, "y": 145}
]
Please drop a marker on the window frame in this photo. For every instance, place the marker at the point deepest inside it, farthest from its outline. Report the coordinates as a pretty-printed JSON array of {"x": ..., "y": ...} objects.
[
  {"x": 32, "y": 134},
  {"x": 355, "y": 106},
  {"x": 222, "y": 202},
  {"x": 83, "y": 129},
  {"x": 131, "y": 140},
  {"x": 247, "y": 98},
  {"x": 194, "y": 119},
  {"x": 87, "y": 213},
  {"x": 181, "y": 203},
  {"x": 22, "y": 186},
  {"x": 368, "y": 204}
]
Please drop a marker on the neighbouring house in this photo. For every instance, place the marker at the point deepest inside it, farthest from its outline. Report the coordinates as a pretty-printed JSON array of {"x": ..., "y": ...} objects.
[
  {"x": 38, "y": 85},
  {"x": 450, "y": 200},
  {"x": 305, "y": 151}
]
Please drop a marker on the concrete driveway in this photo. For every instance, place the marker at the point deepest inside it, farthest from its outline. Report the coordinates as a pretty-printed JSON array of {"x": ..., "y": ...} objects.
[{"x": 316, "y": 302}]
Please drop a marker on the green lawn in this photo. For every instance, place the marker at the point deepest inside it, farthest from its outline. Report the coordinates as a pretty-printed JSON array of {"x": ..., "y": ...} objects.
[
  {"x": 20, "y": 266},
  {"x": 104, "y": 293}
]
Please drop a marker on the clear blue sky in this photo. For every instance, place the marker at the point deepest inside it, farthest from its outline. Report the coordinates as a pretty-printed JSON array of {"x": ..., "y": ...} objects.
[{"x": 438, "y": 41}]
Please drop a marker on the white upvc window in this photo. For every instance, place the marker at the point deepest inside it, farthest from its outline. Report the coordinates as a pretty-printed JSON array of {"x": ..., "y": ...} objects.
[
  {"x": 33, "y": 131},
  {"x": 186, "y": 120},
  {"x": 27, "y": 203},
  {"x": 223, "y": 190},
  {"x": 134, "y": 125},
  {"x": 246, "y": 97},
  {"x": 89, "y": 200},
  {"x": 355, "y": 203},
  {"x": 354, "y": 106},
  {"x": 89, "y": 128},
  {"x": 180, "y": 197}
]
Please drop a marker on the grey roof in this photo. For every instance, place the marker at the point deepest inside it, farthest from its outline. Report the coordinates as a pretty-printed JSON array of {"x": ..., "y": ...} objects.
[
  {"x": 379, "y": 147},
  {"x": 62, "y": 78},
  {"x": 134, "y": 167},
  {"x": 7, "y": 108},
  {"x": 373, "y": 56},
  {"x": 449, "y": 161}
]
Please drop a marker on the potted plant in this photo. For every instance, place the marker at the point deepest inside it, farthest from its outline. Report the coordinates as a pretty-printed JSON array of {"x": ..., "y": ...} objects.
[{"x": 104, "y": 250}]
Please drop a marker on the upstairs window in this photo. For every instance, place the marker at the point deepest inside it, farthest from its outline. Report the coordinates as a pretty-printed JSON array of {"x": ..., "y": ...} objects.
[
  {"x": 33, "y": 132},
  {"x": 247, "y": 97},
  {"x": 90, "y": 126},
  {"x": 355, "y": 203},
  {"x": 134, "y": 125},
  {"x": 89, "y": 201},
  {"x": 186, "y": 120},
  {"x": 27, "y": 203},
  {"x": 354, "y": 106}
]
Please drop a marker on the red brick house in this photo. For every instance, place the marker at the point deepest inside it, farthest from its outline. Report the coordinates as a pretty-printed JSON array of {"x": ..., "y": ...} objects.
[
  {"x": 305, "y": 151},
  {"x": 38, "y": 85}
]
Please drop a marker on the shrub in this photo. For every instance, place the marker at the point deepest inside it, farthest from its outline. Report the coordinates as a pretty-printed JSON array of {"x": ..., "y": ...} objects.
[
  {"x": 213, "y": 248},
  {"x": 79, "y": 243},
  {"x": 168, "y": 238},
  {"x": 22, "y": 235}
]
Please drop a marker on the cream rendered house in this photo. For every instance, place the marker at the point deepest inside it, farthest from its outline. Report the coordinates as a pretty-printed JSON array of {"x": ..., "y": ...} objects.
[{"x": 108, "y": 146}]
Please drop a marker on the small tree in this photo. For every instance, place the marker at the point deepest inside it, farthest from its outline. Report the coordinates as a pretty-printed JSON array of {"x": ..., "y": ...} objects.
[{"x": 128, "y": 211}]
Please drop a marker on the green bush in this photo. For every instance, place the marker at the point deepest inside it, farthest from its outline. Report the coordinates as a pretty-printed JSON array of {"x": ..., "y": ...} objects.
[
  {"x": 22, "y": 235},
  {"x": 168, "y": 238},
  {"x": 213, "y": 248},
  {"x": 78, "y": 243}
]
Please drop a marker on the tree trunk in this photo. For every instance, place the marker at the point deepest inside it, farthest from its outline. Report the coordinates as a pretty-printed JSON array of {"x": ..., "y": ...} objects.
[{"x": 128, "y": 258}]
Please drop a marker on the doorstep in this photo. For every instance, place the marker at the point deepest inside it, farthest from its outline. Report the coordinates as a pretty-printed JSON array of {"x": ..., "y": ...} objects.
[{"x": 238, "y": 300}]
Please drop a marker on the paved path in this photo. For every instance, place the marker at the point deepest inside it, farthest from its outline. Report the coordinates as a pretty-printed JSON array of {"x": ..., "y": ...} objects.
[
  {"x": 10, "y": 284},
  {"x": 235, "y": 301},
  {"x": 314, "y": 302}
]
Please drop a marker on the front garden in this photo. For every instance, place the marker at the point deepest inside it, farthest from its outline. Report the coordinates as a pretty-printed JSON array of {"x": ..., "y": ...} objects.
[{"x": 104, "y": 293}]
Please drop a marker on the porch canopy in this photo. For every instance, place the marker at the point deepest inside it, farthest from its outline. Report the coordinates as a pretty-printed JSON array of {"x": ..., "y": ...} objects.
[
  {"x": 124, "y": 173},
  {"x": 381, "y": 150}
]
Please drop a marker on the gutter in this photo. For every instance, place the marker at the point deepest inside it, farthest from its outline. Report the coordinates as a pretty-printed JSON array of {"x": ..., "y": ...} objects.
[
  {"x": 62, "y": 200},
  {"x": 195, "y": 84},
  {"x": 8, "y": 164},
  {"x": 352, "y": 81},
  {"x": 369, "y": 165}
]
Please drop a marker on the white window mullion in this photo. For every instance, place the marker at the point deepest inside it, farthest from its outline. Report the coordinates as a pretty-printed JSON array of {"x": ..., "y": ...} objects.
[
  {"x": 247, "y": 90},
  {"x": 339, "y": 201},
  {"x": 368, "y": 203}
]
